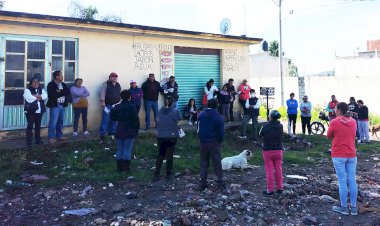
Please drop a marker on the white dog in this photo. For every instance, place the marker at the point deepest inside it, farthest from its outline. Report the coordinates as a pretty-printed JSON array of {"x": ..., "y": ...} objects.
[{"x": 238, "y": 161}]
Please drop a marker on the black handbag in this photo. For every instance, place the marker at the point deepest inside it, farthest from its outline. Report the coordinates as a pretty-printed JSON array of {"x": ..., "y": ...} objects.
[{"x": 31, "y": 107}]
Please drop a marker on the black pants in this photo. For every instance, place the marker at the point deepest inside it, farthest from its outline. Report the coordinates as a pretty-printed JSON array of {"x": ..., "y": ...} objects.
[
  {"x": 211, "y": 150},
  {"x": 306, "y": 122},
  {"x": 34, "y": 119},
  {"x": 292, "y": 119},
  {"x": 232, "y": 111},
  {"x": 77, "y": 113},
  {"x": 242, "y": 103},
  {"x": 166, "y": 150}
]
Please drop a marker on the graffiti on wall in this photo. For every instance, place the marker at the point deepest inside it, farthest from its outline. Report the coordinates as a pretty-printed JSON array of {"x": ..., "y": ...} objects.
[
  {"x": 146, "y": 54},
  {"x": 233, "y": 60},
  {"x": 167, "y": 63}
]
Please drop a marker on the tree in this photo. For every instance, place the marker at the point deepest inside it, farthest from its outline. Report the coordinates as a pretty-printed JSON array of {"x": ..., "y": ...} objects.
[
  {"x": 2, "y": 4},
  {"x": 77, "y": 10},
  {"x": 273, "y": 48},
  {"x": 112, "y": 18},
  {"x": 293, "y": 69}
]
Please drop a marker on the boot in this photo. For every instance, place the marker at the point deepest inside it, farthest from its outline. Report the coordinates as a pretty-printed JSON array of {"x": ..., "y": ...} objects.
[
  {"x": 169, "y": 164},
  {"x": 159, "y": 161},
  {"x": 126, "y": 165},
  {"x": 119, "y": 165}
]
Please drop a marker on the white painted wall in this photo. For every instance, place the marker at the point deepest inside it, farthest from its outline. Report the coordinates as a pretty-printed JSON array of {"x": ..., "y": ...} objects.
[{"x": 357, "y": 67}]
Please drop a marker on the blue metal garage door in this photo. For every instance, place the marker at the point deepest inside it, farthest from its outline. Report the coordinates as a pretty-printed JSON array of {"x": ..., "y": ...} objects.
[{"x": 192, "y": 71}]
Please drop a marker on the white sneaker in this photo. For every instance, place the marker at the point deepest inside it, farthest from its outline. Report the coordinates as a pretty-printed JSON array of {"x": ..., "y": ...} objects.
[
  {"x": 75, "y": 134},
  {"x": 242, "y": 137},
  {"x": 190, "y": 124},
  {"x": 196, "y": 123},
  {"x": 86, "y": 133}
]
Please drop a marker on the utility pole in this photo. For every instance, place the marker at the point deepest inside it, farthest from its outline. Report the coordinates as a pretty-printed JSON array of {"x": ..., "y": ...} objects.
[{"x": 280, "y": 50}]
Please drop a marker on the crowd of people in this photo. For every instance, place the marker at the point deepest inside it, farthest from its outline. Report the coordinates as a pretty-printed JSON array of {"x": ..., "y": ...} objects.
[{"x": 120, "y": 118}]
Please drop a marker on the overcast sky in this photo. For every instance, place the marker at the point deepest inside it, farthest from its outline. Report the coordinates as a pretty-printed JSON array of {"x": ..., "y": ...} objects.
[{"x": 313, "y": 30}]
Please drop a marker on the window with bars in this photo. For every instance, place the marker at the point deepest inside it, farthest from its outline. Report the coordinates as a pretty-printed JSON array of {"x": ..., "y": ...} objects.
[{"x": 64, "y": 59}]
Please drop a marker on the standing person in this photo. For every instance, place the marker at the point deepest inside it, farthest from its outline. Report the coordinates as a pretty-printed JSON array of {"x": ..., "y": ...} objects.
[
  {"x": 363, "y": 123},
  {"x": 211, "y": 135},
  {"x": 136, "y": 94},
  {"x": 331, "y": 107},
  {"x": 253, "y": 111},
  {"x": 79, "y": 94},
  {"x": 292, "y": 111},
  {"x": 210, "y": 91},
  {"x": 125, "y": 113},
  {"x": 58, "y": 94},
  {"x": 272, "y": 152},
  {"x": 354, "y": 107},
  {"x": 151, "y": 89},
  {"x": 244, "y": 94},
  {"x": 167, "y": 133},
  {"x": 224, "y": 98},
  {"x": 34, "y": 93},
  {"x": 171, "y": 89},
  {"x": 342, "y": 132},
  {"x": 109, "y": 96},
  {"x": 191, "y": 112},
  {"x": 232, "y": 91},
  {"x": 305, "y": 108}
]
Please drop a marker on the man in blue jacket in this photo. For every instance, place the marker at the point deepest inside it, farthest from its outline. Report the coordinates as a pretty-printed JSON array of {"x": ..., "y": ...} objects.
[
  {"x": 292, "y": 111},
  {"x": 211, "y": 135}
]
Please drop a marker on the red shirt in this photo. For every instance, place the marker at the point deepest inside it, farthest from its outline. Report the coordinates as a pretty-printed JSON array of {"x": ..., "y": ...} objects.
[
  {"x": 244, "y": 89},
  {"x": 342, "y": 131}
]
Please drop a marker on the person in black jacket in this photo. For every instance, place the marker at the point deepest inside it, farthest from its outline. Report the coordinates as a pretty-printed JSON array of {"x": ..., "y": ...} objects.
[
  {"x": 211, "y": 135},
  {"x": 272, "y": 152},
  {"x": 125, "y": 113},
  {"x": 232, "y": 91},
  {"x": 363, "y": 122},
  {"x": 58, "y": 95},
  {"x": 171, "y": 89},
  {"x": 224, "y": 98},
  {"x": 151, "y": 89},
  {"x": 354, "y": 107}
]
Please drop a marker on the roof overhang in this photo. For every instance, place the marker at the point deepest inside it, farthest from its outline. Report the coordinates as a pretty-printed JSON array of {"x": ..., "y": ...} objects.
[{"x": 27, "y": 19}]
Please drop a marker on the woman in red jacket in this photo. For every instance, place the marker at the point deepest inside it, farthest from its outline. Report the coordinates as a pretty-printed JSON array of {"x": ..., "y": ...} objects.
[
  {"x": 243, "y": 92},
  {"x": 342, "y": 131}
]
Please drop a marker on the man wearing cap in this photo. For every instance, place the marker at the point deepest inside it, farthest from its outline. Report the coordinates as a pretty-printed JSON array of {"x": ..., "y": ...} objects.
[
  {"x": 109, "y": 96},
  {"x": 171, "y": 89},
  {"x": 136, "y": 95},
  {"x": 305, "y": 108},
  {"x": 244, "y": 95},
  {"x": 151, "y": 89}
]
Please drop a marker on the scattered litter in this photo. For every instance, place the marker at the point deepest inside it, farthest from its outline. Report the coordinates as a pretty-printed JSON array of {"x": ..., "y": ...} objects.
[
  {"x": 176, "y": 156},
  {"x": 114, "y": 156},
  {"x": 36, "y": 163},
  {"x": 79, "y": 212},
  {"x": 130, "y": 178},
  {"x": 76, "y": 152},
  {"x": 107, "y": 149},
  {"x": 104, "y": 188},
  {"x": 376, "y": 159},
  {"x": 110, "y": 185},
  {"x": 86, "y": 190},
  {"x": 155, "y": 144},
  {"x": 153, "y": 167},
  {"x": 327, "y": 199},
  {"x": 296, "y": 177},
  {"x": 16, "y": 183}
]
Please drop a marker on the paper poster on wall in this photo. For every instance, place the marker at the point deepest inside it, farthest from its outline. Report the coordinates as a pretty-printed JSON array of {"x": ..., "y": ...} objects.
[{"x": 167, "y": 63}]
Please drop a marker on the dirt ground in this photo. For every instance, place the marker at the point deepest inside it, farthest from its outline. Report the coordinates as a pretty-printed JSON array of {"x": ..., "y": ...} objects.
[{"x": 304, "y": 202}]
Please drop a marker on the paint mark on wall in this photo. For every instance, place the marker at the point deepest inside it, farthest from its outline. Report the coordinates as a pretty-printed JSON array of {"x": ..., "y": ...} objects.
[
  {"x": 232, "y": 60},
  {"x": 146, "y": 54}
]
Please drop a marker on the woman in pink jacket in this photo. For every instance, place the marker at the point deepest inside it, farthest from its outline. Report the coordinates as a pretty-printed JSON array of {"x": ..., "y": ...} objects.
[{"x": 244, "y": 95}]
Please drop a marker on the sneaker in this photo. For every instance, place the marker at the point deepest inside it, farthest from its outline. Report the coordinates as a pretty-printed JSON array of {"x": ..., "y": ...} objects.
[
  {"x": 279, "y": 192},
  {"x": 358, "y": 141},
  {"x": 86, "y": 133},
  {"x": 354, "y": 211},
  {"x": 341, "y": 210},
  {"x": 195, "y": 123},
  {"x": 242, "y": 137},
  {"x": 190, "y": 124},
  {"x": 265, "y": 192},
  {"x": 75, "y": 134}
]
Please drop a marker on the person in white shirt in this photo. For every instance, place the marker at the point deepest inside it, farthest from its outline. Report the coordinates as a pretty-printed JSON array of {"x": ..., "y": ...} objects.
[
  {"x": 34, "y": 109},
  {"x": 210, "y": 90}
]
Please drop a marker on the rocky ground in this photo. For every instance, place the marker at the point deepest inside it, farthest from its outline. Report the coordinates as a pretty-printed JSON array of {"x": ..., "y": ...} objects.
[{"x": 304, "y": 202}]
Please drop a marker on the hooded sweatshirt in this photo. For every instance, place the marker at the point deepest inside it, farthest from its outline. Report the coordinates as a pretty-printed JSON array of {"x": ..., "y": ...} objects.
[
  {"x": 167, "y": 122},
  {"x": 342, "y": 131},
  {"x": 210, "y": 126}
]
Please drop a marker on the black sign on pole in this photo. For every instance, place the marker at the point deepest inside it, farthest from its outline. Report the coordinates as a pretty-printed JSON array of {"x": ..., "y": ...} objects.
[{"x": 267, "y": 91}]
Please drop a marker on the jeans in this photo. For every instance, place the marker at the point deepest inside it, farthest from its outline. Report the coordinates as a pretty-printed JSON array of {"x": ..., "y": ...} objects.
[
  {"x": 345, "y": 169},
  {"x": 244, "y": 122},
  {"x": 34, "y": 119},
  {"x": 231, "y": 111},
  {"x": 225, "y": 111},
  {"x": 124, "y": 148},
  {"x": 363, "y": 130},
  {"x": 292, "y": 118},
  {"x": 175, "y": 104},
  {"x": 57, "y": 115},
  {"x": 273, "y": 165},
  {"x": 148, "y": 105},
  {"x": 107, "y": 124},
  {"x": 305, "y": 121},
  {"x": 77, "y": 113},
  {"x": 211, "y": 150}
]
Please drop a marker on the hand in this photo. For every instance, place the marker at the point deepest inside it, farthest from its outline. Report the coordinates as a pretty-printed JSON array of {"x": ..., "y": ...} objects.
[
  {"x": 39, "y": 97},
  {"x": 250, "y": 106},
  {"x": 238, "y": 92},
  {"x": 58, "y": 90},
  {"x": 171, "y": 90},
  {"x": 102, "y": 103}
]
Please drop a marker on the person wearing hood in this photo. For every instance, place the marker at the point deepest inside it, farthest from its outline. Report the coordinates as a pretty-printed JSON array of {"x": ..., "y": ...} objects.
[
  {"x": 342, "y": 131},
  {"x": 354, "y": 107},
  {"x": 211, "y": 135},
  {"x": 305, "y": 108},
  {"x": 151, "y": 89},
  {"x": 331, "y": 108},
  {"x": 125, "y": 113},
  {"x": 272, "y": 133},
  {"x": 136, "y": 94},
  {"x": 167, "y": 134},
  {"x": 253, "y": 112},
  {"x": 363, "y": 123},
  {"x": 171, "y": 89}
]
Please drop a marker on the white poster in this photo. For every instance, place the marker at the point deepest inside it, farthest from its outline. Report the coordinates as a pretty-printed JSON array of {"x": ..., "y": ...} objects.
[{"x": 167, "y": 63}]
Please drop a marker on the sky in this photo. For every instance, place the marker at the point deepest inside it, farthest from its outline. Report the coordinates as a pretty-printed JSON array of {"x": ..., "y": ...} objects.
[{"x": 313, "y": 31}]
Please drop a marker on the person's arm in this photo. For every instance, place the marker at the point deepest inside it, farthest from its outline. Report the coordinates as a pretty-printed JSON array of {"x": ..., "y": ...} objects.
[
  {"x": 257, "y": 105},
  {"x": 310, "y": 107},
  {"x": 296, "y": 105},
  {"x": 328, "y": 108},
  {"x": 207, "y": 92},
  {"x": 330, "y": 130},
  {"x": 86, "y": 92},
  {"x": 103, "y": 95},
  {"x": 74, "y": 92},
  {"x": 65, "y": 90},
  {"x": 220, "y": 130},
  {"x": 247, "y": 104},
  {"x": 28, "y": 96}
]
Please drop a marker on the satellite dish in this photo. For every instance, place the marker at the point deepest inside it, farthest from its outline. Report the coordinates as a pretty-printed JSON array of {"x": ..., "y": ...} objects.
[{"x": 225, "y": 26}]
